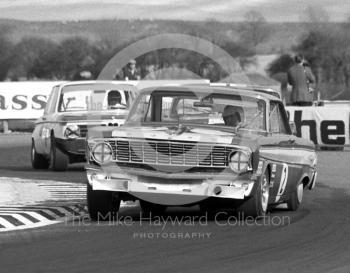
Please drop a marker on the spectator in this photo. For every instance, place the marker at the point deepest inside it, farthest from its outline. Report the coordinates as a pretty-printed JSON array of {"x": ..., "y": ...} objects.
[
  {"x": 204, "y": 70},
  {"x": 151, "y": 72},
  {"x": 131, "y": 73},
  {"x": 300, "y": 77}
]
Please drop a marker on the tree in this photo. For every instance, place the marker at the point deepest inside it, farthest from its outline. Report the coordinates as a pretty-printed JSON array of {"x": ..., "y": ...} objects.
[
  {"x": 329, "y": 55},
  {"x": 76, "y": 56},
  {"x": 315, "y": 14},
  {"x": 315, "y": 18},
  {"x": 101, "y": 53},
  {"x": 280, "y": 65},
  {"x": 255, "y": 28},
  {"x": 28, "y": 52},
  {"x": 49, "y": 65}
]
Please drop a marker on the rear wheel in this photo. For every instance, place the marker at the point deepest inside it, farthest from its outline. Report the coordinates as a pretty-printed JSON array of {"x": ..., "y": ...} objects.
[
  {"x": 38, "y": 161},
  {"x": 102, "y": 205},
  {"x": 296, "y": 197},
  {"x": 257, "y": 205},
  {"x": 151, "y": 208},
  {"x": 58, "y": 160}
]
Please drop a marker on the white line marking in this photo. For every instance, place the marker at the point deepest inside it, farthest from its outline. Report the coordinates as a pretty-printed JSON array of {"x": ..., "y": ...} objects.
[
  {"x": 19, "y": 217},
  {"x": 34, "y": 225},
  {"x": 34, "y": 214},
  {"x": 5, "y": 223}
]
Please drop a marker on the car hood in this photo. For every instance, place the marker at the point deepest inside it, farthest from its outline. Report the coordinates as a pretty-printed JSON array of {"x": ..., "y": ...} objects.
[
  {"x": 92, "y": 116},
  {"x": 187, "y": 134}
]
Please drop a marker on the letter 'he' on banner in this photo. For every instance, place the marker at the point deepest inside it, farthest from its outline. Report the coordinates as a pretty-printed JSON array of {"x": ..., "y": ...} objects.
[{"x": 322, "y": 125}]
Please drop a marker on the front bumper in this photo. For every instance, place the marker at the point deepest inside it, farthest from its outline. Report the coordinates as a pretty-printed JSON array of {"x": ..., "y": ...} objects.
[
  {"x": 171, "y": 189},
  {"x": 74, "y": 147}
]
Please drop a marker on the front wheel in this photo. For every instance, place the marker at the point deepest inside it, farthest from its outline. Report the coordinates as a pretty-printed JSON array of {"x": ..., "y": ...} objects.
[
  {"x": 296, "y": 197},
  {"x": 257, "y": 205},
  {"x": 38, "y": 161},
  {"x": 102, "y": 205},
  {"x": 58, "y": 160}
]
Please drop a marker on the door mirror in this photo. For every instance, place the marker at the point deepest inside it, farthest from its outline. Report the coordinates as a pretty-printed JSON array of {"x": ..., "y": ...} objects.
[{"x": 293, "y": 128}]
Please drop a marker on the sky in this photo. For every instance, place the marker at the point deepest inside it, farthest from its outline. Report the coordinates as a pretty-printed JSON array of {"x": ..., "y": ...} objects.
[{"x": 221, "y": 10}]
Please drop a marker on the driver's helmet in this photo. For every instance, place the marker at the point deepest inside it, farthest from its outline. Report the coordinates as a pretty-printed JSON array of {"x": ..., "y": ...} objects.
[
  {"x": 233, "y": 110},
  {"x": 114, "y": 98}
]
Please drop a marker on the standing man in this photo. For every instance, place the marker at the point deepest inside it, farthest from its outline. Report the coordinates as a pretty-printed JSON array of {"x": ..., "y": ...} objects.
[
  {"x": 131, "y": 72},
  {"x": 300, "y": 77}
]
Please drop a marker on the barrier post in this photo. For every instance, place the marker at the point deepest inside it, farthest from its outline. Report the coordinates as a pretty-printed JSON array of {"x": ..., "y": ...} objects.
[{"x": 5, "y": 126}]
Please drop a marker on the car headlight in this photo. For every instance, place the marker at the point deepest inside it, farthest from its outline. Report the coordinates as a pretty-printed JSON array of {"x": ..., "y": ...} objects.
[
  {"x": 102, "y": 153},
  {"x": 239, "y": 161},
  {"x": 72, "y": 131}
]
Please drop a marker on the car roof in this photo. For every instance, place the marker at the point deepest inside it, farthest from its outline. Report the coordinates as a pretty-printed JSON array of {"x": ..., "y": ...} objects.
[
  {"x": 209, "y": 89},
  {"x": 92, "y": 82},
  {"x": 137, "y": 84},
  {"x": 258, "y": 88},
  {"x": 183, "y": 85}
]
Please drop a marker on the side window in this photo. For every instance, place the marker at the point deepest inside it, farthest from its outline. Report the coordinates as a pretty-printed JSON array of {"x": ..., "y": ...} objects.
[
  {"x": 274, "y": 119},
  {"x": 141, "y": 110},
  {"x": 283, "y": 120},
  {"x": 166, "y": 109},
  {"x": 127, "y": 98},
  {"x": 277, "y": 119},
  {"x": 146, "y": 108}
]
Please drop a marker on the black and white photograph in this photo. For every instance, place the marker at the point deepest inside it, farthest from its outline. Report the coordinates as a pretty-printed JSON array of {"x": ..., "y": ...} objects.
[{"x": 174, "y": 136}]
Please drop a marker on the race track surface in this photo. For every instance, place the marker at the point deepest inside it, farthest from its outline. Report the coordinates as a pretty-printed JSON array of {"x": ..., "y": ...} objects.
[{"x": 316, "y": 238}]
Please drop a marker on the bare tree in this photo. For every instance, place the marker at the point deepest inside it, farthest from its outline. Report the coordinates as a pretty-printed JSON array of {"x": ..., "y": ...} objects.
[
  {"x": 315, "y": 14},
  {"x": 255, "y": 28}
]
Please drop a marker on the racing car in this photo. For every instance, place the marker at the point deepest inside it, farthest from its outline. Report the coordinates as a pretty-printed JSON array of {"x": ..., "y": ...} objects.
[
  {"x": 187, "y": 145},
  {"x": 71, "y": 110}
]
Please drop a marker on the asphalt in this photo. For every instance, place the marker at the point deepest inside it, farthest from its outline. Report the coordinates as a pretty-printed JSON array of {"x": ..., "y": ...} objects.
[{"x": 316, "y": 238}]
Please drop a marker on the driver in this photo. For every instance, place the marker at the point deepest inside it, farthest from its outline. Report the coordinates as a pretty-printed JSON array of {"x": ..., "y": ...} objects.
[
  {"x": 114, "y": 99},
  {"x": 231, "y": 115}
]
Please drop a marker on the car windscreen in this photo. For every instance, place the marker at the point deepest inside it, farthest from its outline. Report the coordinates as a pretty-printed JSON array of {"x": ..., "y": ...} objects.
[
  {"x": 92, "y": 99},
  {"x": 213, "y": 109}
]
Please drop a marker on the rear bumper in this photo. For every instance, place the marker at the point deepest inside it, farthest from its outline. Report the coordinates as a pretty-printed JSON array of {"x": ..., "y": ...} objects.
[{"x": 171, "y": 189}]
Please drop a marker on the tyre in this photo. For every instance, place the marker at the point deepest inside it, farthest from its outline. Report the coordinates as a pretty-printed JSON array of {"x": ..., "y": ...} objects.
[
  {"x": 38, "y": 161},
  {"x": 102, "y": 205},
  {"x": 257, "y": 205},
  {"x": 296, "y": 197},
  {"x": 209, "y": 208},
  {"x": 58, "y": 160},
  {"x": 152, "y": 209}
]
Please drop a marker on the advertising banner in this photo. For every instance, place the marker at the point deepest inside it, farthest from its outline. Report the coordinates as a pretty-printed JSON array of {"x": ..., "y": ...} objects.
[
  {"x": 323, "y": 125},
  {"x": 24, "y": 100}
]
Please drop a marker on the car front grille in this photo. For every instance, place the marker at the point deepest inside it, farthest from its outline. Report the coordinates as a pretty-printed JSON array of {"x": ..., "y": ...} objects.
[
  {"x": 170, "y": 153},
  {"x": 85, "y": 128}
]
